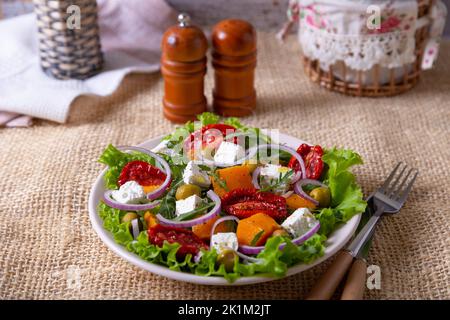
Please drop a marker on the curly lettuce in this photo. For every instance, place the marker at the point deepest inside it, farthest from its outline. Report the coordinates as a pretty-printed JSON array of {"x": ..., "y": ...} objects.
[
  {"x": 346, "y": 195},
  {"x": 272, "y": 261}
]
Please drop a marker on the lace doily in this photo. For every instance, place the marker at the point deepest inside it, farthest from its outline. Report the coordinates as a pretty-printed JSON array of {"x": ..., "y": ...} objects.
[
  {"x": 359, "y": 52},
  {"x": 345, "y": 30}
]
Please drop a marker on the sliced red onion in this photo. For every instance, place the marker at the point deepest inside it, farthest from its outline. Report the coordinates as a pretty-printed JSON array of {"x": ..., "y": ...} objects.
[
  {"x": 127, "y": 207},
  {"x": 313, "y": 182},
  {"x": 297, "y": 175},
  {"x": 207, "y": 216},
  {"x": 298, "y": 188},
  {"x": 287, "y": 194},
  {"x": 251, "y": 249},
  {"x": 219, "y": 221},
  {"x": 198, "y": 257},
  {"x": 231, "y": 218},
  {"x": 162, "y": 188},
  {"x": 308, "y": 234},
  {"x": 135, "y": 228},
  {"x": 255, "y": 177},
  {"x": 246, "y": 257},
  {"x": 297, "y": 241}
]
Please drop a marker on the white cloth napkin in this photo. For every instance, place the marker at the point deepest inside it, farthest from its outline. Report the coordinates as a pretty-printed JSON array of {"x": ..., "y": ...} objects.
[{"x": 130, "y": 33}]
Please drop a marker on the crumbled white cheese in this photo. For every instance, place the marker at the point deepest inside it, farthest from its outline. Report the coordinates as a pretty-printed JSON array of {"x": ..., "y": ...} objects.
[
  {"x": 299, "y": 222},
  {"x": 129, "y": 193},
  {"x": 187, "y": 205},
  {"x": 224, "y": 240},
  {"x": 271, "y": 174},
  {"x": 193, "y": 175},
  {"x": 228, "y": 153}
]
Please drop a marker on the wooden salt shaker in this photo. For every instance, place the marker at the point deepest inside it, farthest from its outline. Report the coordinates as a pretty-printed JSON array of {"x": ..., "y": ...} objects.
[
  {"x": 183, "y": 65},
  {"x": 234, "y": 61}
]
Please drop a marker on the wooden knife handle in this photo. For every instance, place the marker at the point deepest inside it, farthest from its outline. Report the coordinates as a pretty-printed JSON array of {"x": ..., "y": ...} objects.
[
  {"x": 327, "y": 284},
  {"x": 356, "y": 281}
]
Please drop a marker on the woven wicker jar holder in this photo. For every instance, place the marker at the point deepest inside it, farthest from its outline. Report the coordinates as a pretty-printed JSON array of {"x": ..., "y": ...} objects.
[
  {"x": 68, "y": 52},
  {"x": 376, "y": 88}
]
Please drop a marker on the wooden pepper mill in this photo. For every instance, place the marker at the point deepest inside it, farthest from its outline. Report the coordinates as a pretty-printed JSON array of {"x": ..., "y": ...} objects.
[
  {"x": 234, "y": 61},
  {"x": 183, "y": 65}
]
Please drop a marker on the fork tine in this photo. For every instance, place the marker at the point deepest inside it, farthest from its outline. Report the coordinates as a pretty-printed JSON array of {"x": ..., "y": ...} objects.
[
  {"x": 407, "y": 190},
  {"x": 396, "y": 194},
  {"x": 389, "y": 179},
  {"x": 391, "y": 189}
]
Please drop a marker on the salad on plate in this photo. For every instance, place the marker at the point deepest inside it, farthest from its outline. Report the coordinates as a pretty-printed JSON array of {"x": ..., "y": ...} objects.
[{"x": 218, "y": 198}]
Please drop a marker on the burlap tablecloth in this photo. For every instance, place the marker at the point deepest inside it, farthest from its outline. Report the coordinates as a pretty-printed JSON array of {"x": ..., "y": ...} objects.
[{"x": 49, "y": 250}]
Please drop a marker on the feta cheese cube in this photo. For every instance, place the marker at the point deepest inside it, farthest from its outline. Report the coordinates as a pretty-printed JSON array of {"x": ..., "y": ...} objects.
[
  {"x": 271, "y": 174},
  {"x": 129, "y": 193},
  {"x": 299, "y": 222},
  {"x": 224, "y": 240},
  {"x": 228, "y": 153},
  {"x": 187, "y": 205},
  {"x": 193, "y": 175}
]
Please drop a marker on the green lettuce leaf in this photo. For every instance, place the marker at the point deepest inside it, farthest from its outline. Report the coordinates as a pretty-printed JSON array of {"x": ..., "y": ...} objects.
[
  {"x": 346, "y": 195},
  {"x": 273, "y": 262},
  {"x": 207, "y": 118}
]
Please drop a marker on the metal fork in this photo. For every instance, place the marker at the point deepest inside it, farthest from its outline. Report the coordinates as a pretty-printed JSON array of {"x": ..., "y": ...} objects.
[{"x": 389, "y": 198}]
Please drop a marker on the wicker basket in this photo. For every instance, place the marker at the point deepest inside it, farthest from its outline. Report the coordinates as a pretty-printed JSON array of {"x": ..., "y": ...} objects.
[
  {"x": 67, "y": 52},
  {"x": 395, "y": 84}
]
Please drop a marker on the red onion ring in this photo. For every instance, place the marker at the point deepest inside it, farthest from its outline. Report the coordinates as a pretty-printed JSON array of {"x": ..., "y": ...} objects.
[
  {"x": 255, "y": 177},
  {"x": 219, "y": 221},
  {"x": 297, "y": 241},
  {"x": 135, "y": 228},
  {"x": 298, "y": 188},
  {"x": 207, "y": 216},
  {"x": 287, "y": 194},
  {"x": 298, "y": 175},
  {"x": 246, "y": 257},
  {"x": 162, "y": 188},
  {"x": 231, "y": 218},
  {"x": 127, "y": 207}
]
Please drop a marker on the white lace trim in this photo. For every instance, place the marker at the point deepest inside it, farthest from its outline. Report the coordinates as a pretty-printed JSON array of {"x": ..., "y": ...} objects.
[{"x": 359, "y": 52}]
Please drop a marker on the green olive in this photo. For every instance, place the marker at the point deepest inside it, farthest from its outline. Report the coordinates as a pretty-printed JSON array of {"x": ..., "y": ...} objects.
[
  {"x": 280, "y": 233},
  {"x": 129, "y": 216},
  {"x": 227, "y": 258},
  {"x": 187, "y": 190},
  {"x": 322, "y": 195}
]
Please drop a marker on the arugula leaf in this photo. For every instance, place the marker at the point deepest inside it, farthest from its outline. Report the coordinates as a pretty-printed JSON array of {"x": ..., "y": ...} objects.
[
  {"x": 222, "y": 183},
  {"x": 168, "y": 203},
  {"x": 282, "y": 180},
  {"x": 256, "y": 238}
]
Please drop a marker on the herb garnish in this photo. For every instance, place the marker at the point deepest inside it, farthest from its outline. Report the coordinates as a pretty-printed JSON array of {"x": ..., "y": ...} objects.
[
  {"x": 283, "y": 179},
  {"x": 222, "y": 183},
  {"x": 256, "y": 238}
]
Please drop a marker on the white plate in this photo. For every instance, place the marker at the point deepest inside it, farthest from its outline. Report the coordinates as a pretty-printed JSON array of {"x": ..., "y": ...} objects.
[{"x": 335, "y": 242}]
